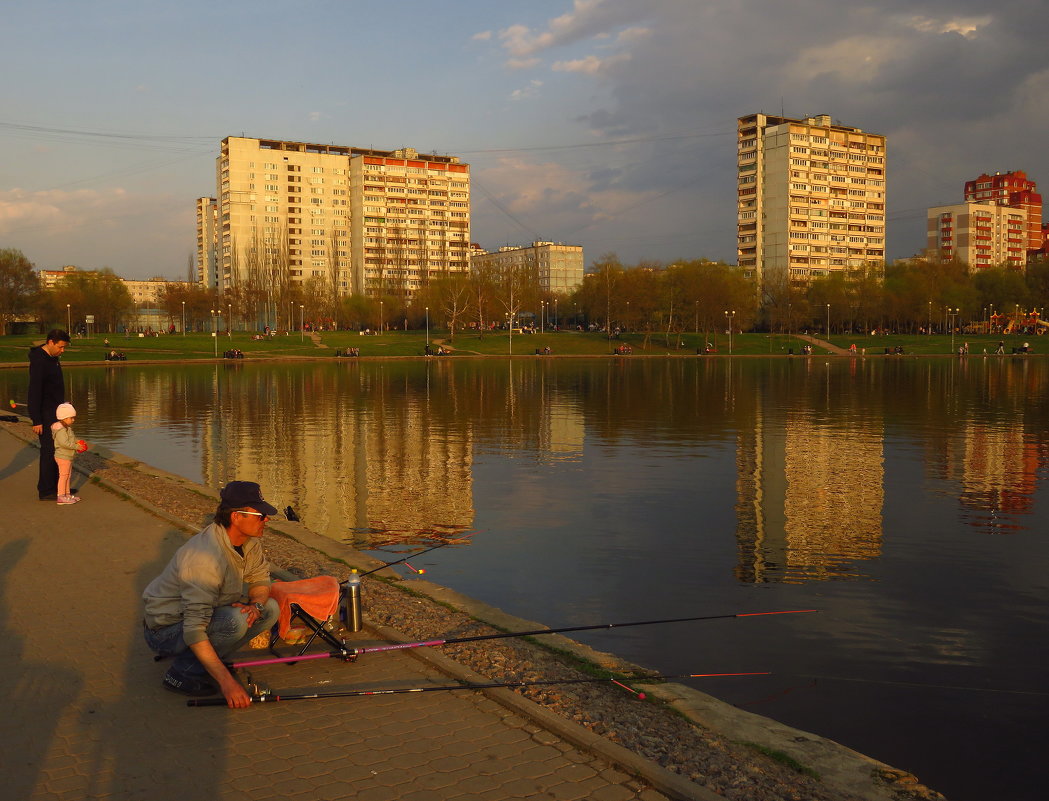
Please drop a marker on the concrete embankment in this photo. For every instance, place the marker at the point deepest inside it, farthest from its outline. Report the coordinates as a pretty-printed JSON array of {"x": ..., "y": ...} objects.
[{"x": 105, "y": 536}]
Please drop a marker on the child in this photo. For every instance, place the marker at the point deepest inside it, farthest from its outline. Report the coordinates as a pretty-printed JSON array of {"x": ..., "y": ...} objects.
[{"x": 66, "y": 448}]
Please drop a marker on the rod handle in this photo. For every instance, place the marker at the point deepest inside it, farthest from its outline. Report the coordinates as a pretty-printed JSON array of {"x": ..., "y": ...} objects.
[{"x": 206, "y": 702}]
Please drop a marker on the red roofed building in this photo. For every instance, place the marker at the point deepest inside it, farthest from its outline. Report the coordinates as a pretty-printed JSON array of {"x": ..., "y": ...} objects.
[{"x": 1011, "y": 189}]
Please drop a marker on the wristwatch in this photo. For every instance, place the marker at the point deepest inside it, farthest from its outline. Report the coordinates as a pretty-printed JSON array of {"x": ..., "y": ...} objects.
[{"x": 259, "y": 607}]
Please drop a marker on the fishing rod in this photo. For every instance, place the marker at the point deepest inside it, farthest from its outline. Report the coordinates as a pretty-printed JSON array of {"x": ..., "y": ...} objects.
[
  {"x": 413, "y": 555},
  {"x": 348, "y": 654},
  {"x": 265, "y": 696}
]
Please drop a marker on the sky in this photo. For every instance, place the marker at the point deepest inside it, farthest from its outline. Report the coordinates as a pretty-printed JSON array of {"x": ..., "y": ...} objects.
[{"x": 604, "y": 123}]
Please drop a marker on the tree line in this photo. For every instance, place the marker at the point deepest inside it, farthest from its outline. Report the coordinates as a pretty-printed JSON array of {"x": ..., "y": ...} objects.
[{"x": 658, "y": 300}]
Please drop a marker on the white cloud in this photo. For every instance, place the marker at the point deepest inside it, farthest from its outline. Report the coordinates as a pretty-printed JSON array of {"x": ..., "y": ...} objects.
[
  {"x": 315, "y": 116},
  {"x": 590, "y": 65},
  {"x": 521, "y": 63},
  {"x": 482, "y": 36},
  {"x": 527, "y": 92},
  {"x": 966, "y": 26}
]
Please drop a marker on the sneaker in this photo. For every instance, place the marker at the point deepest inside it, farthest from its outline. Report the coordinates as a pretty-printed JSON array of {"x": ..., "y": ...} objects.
[
  {"x": 195, "y": 686},
  {"x": 65, "y": 500}
]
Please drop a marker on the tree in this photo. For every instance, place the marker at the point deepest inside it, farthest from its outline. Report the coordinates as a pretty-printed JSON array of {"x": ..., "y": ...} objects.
[{"x": 19, "y": 286}]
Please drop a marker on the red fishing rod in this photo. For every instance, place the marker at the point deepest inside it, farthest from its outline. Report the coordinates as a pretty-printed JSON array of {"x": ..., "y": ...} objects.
[
  {"x": 417, "y": 553},
  {"x": 264, "y": 696},
  {"x": 349, "y": 654}
]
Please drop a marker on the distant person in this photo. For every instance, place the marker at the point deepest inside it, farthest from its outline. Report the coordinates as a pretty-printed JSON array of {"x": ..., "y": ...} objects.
[
  {"x": 47, "y": 389},
  {"x": 213, "y": 597},
  {"x": 66, "y": 449}
]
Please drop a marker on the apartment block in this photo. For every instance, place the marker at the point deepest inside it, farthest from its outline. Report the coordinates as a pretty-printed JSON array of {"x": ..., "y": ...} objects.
[
  {"x": 982, "y": 235},
  {"x": 811, "y": 197},
  {"x": 559, "y": 267},
  {"x": 361, "y": 220},
  {"x": 1012, "y": 189},
  {"x": 207, "y": 242}
]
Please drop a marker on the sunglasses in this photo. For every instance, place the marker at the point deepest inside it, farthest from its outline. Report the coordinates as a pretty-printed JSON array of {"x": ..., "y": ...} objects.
[{"x": 255, "y": 514}]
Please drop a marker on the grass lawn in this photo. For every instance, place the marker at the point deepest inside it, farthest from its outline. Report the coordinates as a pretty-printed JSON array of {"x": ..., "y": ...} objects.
[{"x": 195, "y": 346}]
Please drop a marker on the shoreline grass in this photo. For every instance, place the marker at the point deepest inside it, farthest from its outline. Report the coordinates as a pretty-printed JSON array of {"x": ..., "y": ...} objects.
[{"x": 401, "y": 344}]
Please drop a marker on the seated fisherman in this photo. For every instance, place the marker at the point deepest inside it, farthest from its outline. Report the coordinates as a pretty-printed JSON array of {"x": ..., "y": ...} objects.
[{"x": 213, "y": 597}]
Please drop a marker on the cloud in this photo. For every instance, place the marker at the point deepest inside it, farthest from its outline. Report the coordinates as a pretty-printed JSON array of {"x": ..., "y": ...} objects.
[
  {"x": 966, "y": 26},
  {"x": 482, "y": 36},
  {"x": 315, "y": 116},
  {"x": 527, "y": 92},
  {"x": 83, "y": 227},
  {"x": 590, "y": 65}
]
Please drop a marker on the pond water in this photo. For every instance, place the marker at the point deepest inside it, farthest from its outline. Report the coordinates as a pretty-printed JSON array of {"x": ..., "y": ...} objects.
[{"x": 903, "y": 498}]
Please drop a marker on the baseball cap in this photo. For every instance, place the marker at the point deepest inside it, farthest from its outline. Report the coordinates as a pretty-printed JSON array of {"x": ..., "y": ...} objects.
[{"x": 245, "y": 493}]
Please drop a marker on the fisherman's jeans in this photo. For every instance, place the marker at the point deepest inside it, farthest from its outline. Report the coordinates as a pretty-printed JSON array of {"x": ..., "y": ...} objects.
[{"x": 227, "y": 632}]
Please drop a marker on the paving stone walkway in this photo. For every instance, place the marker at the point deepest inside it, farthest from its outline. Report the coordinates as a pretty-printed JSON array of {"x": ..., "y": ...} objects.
[{"x": 85, "y": 717}]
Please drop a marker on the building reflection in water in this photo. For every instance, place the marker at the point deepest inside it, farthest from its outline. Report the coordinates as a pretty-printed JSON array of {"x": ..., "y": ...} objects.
[{"x": 810, "y": 488}]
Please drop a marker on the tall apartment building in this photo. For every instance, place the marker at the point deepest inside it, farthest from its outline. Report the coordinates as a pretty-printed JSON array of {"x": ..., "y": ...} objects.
[
  {"x": 1012, "y": 189},
  {"x": 982, "y": 235},
  {"x": 559, "y": 267},
  {"x": 207, "y": 242},
  {"x": 364, "y": 221},
  {"x": 811, "y": 197}
]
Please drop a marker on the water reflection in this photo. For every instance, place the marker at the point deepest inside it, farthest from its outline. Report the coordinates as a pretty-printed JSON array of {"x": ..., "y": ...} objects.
[{"x": 383, "y": 452}]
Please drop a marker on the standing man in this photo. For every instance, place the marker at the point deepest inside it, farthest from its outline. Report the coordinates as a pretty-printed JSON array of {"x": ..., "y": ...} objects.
[
  {"x": 47, "y": 389},
  {"x": 213, "y": 597}
]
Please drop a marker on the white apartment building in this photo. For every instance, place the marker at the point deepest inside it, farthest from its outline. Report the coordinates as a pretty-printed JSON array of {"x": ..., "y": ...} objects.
[
  {"x": 559, "y": 267},
  {"x": 207, "y": 242},
  {"x": 811, "y": 197},
  {"x": 982, "y": 235},
  {"x": 364, "y": 221}
]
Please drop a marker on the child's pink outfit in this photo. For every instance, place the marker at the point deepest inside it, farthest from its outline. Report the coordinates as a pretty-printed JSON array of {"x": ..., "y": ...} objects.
[{"x": 65, "y": 453}]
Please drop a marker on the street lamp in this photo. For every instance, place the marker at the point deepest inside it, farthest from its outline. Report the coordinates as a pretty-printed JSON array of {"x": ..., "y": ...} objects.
[
  {"x": 302, "y": 326},
  {"x": 728, "y": 318},
  {"x": 380, "y": 316},
  {"x": 542, "y": 317},
  {"x": 555, "y": 314},
  {"x": 69, "y": 321},
  {"x": 229, "y": 320},
  {"x": 828, "y": 322},
  {"x": 953, "y": 315},
  {"x": 427, "y": 329},
  {"x": 930, "y": 319},
  {"x": 215, "y": 330},
  {"x": 183, "y": 318}
]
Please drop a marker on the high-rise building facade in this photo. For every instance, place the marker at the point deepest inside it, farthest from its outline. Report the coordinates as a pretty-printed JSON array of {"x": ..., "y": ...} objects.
[
  {"x": 982, "y": 235},
  {"x": 558, "y": 267},
  {"x": 360, "y": 220},
  {"x": 1012, "y": 189},
  {"x": 811, "y": 198},
  {"x": 207, "y": 242}
]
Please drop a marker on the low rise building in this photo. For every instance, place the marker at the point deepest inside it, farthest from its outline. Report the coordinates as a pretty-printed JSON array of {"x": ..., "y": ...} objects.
[
  {"x": 558, "y": 267},
  {"x": 982, "y": 235}
]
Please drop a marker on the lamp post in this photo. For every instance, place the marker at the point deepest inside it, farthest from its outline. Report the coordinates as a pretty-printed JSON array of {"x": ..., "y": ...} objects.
[
  {"x": 215, "y": 330},
  {"x": 828, "y": 322},
  {"x": 555, "y": 314},
  {"x": 929, "y": 331},
  {"x": 697, "y": 318},
  {"x": 542, "y": 317},
  {"x": 229, "y": 320},
  {"x": 183, "y": 318},
  {"x": 953, "y": 315},
  {"x": 427, "y": 329},
  {"x": 380, "y": 316},
  {"x": 302, "y": 311},
  {"x": 69, "y": 320},
  {"x": 728, "y": 317}
]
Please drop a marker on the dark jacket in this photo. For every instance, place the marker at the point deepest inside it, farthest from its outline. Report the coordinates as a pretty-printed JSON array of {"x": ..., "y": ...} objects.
[{"x": 47, "y": 388}]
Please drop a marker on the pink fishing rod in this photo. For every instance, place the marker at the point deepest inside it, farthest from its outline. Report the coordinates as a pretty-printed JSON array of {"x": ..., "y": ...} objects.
[{"x": 348, "y": 654}]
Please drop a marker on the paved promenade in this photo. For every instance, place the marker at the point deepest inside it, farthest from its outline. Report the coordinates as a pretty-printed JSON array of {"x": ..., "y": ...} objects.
[{"x": 85, "y": 717}]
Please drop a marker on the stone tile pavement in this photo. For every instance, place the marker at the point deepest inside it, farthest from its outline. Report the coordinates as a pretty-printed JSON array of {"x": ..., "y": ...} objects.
[{"x": 84, "y": 715}]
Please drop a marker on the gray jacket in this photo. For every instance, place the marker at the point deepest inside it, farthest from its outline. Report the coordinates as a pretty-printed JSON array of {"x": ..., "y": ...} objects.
[{"x": 204, "y": 574}]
